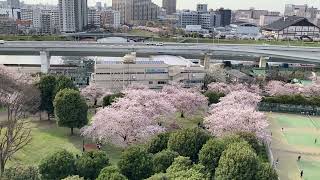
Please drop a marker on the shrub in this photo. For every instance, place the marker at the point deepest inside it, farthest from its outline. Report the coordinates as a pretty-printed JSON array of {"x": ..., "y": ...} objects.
[
  {"x": 136, "y": 163},
  {"x": 111, "y": 173},
  {"x": 90, "y": 164},
  {"x": 21, "y": 173},
  {"x": 158, "y": 143},
  {"x": 213, "y": 97},
  {"x": 238, "y": 161},
  {"x": 163, "y": 159},
  {"x": 108, "y": 100},
  {"x": 73, "y": 178},
  {"x": 252, "y": 139},
  {"x": 57, "y": 166},
  {"x": 266, "y": 172},
  {"x": 210, "y": 154},
  {"x": 188, "y": 142}
]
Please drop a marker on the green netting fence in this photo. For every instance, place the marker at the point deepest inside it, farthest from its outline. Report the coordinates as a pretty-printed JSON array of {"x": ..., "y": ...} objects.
[{"x": 289, "y": 108}]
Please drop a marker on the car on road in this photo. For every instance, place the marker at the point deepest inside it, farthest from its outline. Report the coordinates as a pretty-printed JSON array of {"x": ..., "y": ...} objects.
[
  {"x": 2, "y": 41},
  {"x": 160, "y": 44}
]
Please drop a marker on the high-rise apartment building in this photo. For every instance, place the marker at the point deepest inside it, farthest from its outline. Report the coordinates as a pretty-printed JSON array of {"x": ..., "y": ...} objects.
[
  {"x": 225, "y": 16},
  {"x": 94, "y": 18},
  {"x": 170, "y": 6},
  {"x": 13, "y": 4},
  {"x": 136, "y": 11},
  {"x": 110, "y": 18},
  {"x": 73, "y": 15},
  {"x": 45, "y": 23}
]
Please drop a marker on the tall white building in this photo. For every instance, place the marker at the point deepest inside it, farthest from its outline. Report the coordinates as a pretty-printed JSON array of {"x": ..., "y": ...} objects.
[
  {"x": 94, "y": 18},
  {"x": 73, "y": 15}
]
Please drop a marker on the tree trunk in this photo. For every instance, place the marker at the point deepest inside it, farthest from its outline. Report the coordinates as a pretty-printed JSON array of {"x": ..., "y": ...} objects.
[
  {"x": 71, "y": 129},
  {"x": 182, "y": 115},
  {"x": 2, "y": 164},
  {"x": 40, "y": 117},
  {"x": 48, "y": 116}
]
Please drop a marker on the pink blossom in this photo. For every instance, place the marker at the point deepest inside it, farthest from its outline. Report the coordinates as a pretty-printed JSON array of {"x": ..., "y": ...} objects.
[
  {"x": 121, "y": 127},
  {"x": 237, "y": 112},
  {"x": 227, "y": 88},
  {"x": 230, "y": 119},
  {"x": 152, "y": 103},
  {"x": 187, "y": 102},
  {"x": 93, "y": 94}
]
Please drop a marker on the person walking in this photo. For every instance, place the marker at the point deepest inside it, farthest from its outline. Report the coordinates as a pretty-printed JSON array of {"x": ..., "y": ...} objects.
[{"x": 301, "y": 173}]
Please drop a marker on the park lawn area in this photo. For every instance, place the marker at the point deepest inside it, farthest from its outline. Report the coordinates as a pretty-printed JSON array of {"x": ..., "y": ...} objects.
[
  {"x": 302, "y": 139},
  {"x": 311, "y": 169},
  {"x": 189, "y": 122},
  {"x": 139, "y": 32},
  {"x": 47, "y": 138},
  {"x": 293, "y": 121}
]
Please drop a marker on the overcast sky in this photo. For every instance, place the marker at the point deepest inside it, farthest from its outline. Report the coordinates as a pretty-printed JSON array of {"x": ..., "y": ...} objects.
[{"x": 232, "y": 4}]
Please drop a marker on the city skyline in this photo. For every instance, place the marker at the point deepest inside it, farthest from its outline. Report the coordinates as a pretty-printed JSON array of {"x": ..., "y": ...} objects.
[{"x": 275, "y": 5}]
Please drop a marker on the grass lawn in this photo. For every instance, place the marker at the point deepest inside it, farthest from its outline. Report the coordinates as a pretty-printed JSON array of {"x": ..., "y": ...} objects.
[
  {"x": 311, "y": 169},
  {"x": 47, "y": 138},
  {"x": 189, "y": 122},
  {"x": 293, "y": 121},
  {"x": 302, "y": 139}
]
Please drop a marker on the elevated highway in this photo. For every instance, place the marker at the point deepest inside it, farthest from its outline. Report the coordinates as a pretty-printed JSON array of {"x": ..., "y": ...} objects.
[{"x": 71, "y": 48}]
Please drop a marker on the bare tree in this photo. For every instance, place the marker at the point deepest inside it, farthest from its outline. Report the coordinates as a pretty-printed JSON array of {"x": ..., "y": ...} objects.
[{"x": 20, "y": 98}]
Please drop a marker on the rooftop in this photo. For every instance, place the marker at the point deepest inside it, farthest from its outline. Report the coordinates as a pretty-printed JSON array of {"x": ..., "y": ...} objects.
[
  {"x": 163, "y": 59},
  {"x": 285, "y": 22}
]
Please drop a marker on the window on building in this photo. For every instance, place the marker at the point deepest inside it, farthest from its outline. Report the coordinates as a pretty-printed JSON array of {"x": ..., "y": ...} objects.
[
  {"x": 150, "y": 82},
  {"x": 162, "y": 82}
]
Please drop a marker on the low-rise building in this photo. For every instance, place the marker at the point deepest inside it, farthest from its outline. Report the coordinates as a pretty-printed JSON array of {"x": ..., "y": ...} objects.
[
  {"x": 292, "y": 27},
  {"x": 245, "y": 29},
  {"x": 196, "y": 29},
  {"x": 116, "y": 73}
]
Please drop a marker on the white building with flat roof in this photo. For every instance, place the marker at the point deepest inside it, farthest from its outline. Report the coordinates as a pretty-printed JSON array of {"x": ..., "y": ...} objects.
[{"x": 116, "y": 73}]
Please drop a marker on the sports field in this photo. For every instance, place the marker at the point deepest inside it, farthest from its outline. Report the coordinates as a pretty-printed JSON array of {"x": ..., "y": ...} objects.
[{"x": 300, "y": 136}]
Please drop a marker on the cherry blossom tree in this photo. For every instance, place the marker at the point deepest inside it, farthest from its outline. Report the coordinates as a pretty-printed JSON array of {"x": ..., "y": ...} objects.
[
  {"x": 276, "y": 88},
  {"x": 20, "y": 97},
  {"x": 122, "y": 127},
  {"x": 227, "y": 88},
  {"x": 219, "y": 88},
  {"x": 187, "y": 102},
  {"x": 153, "y": 104},
  {"x": 236, "y": 112},
  {"x": 93, "y": 94},
  {"x": 244, "y": 98}
]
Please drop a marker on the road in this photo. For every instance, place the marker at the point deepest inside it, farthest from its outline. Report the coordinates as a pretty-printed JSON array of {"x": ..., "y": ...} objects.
[{"x": 74, "y": 48}]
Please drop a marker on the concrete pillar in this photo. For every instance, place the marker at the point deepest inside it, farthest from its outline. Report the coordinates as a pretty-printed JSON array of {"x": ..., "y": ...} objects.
[
  {"x": 45, "y": 61},
  {"x": 206, "y": 62},
  {"x": 263, "y": 62}
]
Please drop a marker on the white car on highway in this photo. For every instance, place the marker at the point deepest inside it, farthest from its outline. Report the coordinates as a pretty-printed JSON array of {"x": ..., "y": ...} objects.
[
  {"x": 159, "y": 44},
  {"x": 2, "y": 41}
]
